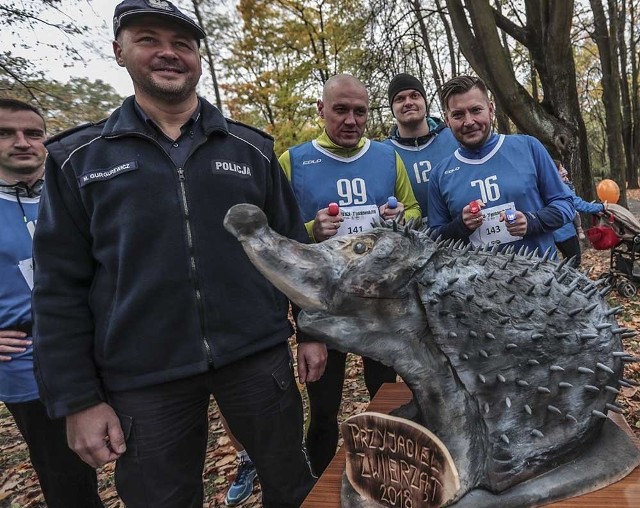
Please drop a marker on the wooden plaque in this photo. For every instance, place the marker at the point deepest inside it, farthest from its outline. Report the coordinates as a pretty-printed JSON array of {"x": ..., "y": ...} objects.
[{"x": 397, "y": 462}]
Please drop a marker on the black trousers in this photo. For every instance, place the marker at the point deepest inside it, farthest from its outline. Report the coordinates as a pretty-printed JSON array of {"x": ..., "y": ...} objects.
[
  {"x": 66, "y": 481},
  {"x": 166, "y": 430},
  {"x": 570, "y": 248},
  {"x": 325, "y": 396}
]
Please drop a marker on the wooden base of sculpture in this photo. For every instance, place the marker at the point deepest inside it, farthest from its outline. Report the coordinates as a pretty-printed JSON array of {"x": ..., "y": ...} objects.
[{"x": 623, "y": 493}]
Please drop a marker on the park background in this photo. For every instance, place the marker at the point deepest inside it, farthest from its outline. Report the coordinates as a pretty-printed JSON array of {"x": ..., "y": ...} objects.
[{"x": 566, "y": 72}]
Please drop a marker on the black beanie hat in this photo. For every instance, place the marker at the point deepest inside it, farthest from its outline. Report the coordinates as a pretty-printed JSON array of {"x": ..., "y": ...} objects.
[{"x": 403, "y": 82}]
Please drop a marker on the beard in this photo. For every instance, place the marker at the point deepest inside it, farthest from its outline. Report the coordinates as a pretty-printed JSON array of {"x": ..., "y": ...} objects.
[{"x": 167, "y": 91}]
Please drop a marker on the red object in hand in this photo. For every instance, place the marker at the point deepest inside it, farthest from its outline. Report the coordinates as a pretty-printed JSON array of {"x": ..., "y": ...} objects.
[
  {"x": 334, "y": 209},
  {"x": 474, "y": 207}
]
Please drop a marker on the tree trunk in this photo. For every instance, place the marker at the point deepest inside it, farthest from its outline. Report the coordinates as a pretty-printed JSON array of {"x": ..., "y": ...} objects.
[
  {"x": 208, "y": 54},
  {"x": 605, "y": 38}
]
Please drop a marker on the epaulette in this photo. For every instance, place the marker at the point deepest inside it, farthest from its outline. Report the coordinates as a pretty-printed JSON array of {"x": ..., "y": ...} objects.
[
  {"x": 72, "y": 130},
  {"x": 255, "y": 129}
]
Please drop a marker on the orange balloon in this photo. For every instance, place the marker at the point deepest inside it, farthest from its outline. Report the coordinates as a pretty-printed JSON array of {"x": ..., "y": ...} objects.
[{"x": 608, "y": 191}]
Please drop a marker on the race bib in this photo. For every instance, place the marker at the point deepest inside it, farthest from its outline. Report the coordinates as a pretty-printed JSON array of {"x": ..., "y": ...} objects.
[
  {"x": 492, "y": 230},
  {"x": 26, "y": 268},
  {"x": 357, "y": 219}
]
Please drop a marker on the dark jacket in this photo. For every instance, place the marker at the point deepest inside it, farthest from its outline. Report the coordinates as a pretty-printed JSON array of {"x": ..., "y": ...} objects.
[{"x": 137, "y": 282}]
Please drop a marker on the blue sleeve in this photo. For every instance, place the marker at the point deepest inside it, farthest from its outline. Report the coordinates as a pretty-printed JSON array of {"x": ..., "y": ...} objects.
[
  {"x": 558, "y": 209},
  {"x": 439, "y": 219},
  {"x": 583, "y": 206}
]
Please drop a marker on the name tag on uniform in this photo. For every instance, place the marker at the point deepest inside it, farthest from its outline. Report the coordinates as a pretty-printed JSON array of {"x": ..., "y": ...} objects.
[
  {"x": 26, "y": 269},
  {"x": 492, "y": 230},
  {"x": 357, "y": 219}
]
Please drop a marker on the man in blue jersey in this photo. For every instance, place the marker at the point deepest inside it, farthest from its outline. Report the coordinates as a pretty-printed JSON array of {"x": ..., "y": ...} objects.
[
  {"x": 495, "y": 189},
  {"x": 421, "y": 140},
  {"x": 66, "y": 481},
  {"x": 342, "y": 166}
]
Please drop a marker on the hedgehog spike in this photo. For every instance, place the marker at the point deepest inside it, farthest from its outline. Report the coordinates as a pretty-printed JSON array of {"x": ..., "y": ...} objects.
[
  {"x": 452, "y": 280},
  {"x": 585, "y": 370},
  {"x": 543, "y": 389},
  {"x": 551, "y": 311},
  {"x": 530, "y": 290},
  {"x": 512, "y": 257},
  {"x": 510, "y": 298},
  {"x": 536, "y": 433},
  {"x": 571, "y": 289},
  {"x": 486, "y": 407},
  {"x": 556, "y": 368},
  {"x": 503, "y": 320},
  {"x": 630, "y": 381},
  {"x": 473, "y": 334},
  {"x": 537, "y": 336},
  {"x": 483, "y": 261},
  {"x": 491, "y": 294},
  {"x": 614, "y": 311},
  {"x": 591, "y": 388},
  {"x": 533, "y": 362},
  {"x": 630, "y": 359},
  {"x": 466, "y": 249},
  {"x": 511, "y": 346},
  {"x": 575, "y": 311},
  {"x": 602, "y": 326},
  {"x": 501, "y": 378},
  {"x": 547, "y": 253},
  {"x": 553, "y": 409},
  {"x": 507, "y": 401},
  {"x": 612, "y": 389},
  {"x": 484, "y": 354},
  {"x": 590, "y": 294},
  {"x": 562, "y": 276},
  {"x": 628, "y": 335},
  {"x": 521, "y": 250},
  {"x": 521, "y": 382},
  {"x": 489, "y": 335},
  {"x": 571, "y": 418},
  {"x": 504, "y": 438},
  {"x": 604, "y": 368},
  {"x": 527, "y": 409},
  {"x": 618, "y": 354},
  {"x": 572, "y": 261},
  {"x": 395, "y": 227},
  {"x": 490, "y": 274},
  {"x": 482, "y": 378},
  {"x": 615, "y": 408},
  {"x": 511, "y": 279},
  {"x": 494, "y": 249},
  {"x": 603, "y": 292},
  {"x": 564, "y": 384},
  {"x": 524, "y": 272},
  {"x": 599, "y": 414},
  {"x": 590, "y": 307},
  {"x": 561, "y": 265}
]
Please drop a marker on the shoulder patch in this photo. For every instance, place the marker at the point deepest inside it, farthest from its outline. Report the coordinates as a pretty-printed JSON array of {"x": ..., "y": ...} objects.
[
  {"x": 254, "y": 129},
  {"x": 73, "y": 130}
]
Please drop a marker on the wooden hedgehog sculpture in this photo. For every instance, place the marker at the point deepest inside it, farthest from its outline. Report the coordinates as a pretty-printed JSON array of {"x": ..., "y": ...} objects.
[{"x": 513, "y": 360}]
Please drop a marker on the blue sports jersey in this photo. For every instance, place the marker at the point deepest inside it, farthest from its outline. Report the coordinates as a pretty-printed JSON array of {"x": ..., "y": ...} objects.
[
  {"x": 506, "y": 169},
  {"x": 319, "y": 177},
  {"x": 420, "y": 160},
  {"x": 17, "y": 382}
]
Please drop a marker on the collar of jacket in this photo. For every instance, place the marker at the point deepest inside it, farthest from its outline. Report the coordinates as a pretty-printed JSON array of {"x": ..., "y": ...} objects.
[
  {"x": 21, "y": 189},
  {"x": 435, "y": 126},
  {"x": 125, "y": 120}
]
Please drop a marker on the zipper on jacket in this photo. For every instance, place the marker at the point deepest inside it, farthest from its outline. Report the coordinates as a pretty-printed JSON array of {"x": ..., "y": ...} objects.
[{"x": 192, "y": 262}]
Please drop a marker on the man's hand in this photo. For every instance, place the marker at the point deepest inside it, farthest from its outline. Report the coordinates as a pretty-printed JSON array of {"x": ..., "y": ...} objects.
[
  {"x": 312, "y": 358},
  {"x": 325, "y": 226},
  {"x": 388, "y": 213},
  {"x": 95, "y": 435},
  {"x": 12, "y": 341},
  {"x": 470, "y": 219},
  {"x": 518, "y": 227}
]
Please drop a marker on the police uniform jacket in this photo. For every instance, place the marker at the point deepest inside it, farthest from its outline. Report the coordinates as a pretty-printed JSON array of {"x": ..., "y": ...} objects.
[{"x": 137, "y": 282}]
